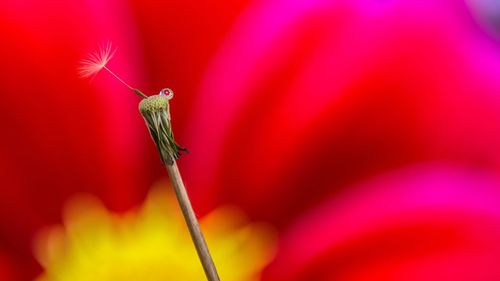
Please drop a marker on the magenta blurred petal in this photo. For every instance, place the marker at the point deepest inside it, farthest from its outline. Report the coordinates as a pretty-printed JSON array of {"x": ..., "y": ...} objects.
[
  {"x": 420, "y": 223},
  {"x": 332, "y": 92}
]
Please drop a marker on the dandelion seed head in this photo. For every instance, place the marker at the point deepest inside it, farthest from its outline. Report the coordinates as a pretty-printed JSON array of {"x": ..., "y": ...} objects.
[{"x": 96, "y": 61}]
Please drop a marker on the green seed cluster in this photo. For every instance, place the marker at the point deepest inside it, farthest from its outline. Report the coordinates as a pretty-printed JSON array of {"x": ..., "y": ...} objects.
[{"x": 153, "y": 103}]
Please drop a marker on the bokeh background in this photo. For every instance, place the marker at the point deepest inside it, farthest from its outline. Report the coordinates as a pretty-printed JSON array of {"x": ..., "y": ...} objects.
[{"x": 366, "y": 133}]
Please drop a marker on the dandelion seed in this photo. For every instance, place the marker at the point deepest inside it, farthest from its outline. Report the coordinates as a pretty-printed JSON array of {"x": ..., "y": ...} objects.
[{"x": 96, "y": 61}]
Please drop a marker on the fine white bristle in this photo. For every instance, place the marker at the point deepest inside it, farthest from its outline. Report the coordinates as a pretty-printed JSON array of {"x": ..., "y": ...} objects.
[{"x": 96, "y": 61}]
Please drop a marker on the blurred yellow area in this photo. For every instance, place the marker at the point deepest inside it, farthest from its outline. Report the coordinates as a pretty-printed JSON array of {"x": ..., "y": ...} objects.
[{"x": 150, "y": 243}]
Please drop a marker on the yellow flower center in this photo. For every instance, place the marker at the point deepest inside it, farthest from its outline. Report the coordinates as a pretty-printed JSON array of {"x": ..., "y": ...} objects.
[{"x": 151, "y": 243}]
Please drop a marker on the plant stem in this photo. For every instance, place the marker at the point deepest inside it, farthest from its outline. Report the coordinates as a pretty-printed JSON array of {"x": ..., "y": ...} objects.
[{"x": 192, "y": 222}]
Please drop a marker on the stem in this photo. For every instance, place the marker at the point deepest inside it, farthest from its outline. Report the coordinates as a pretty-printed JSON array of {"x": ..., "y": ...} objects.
[
  {"x": 117, "y": 77},
  {"x": 192, "y": 223},
  {"x": 136, "y": 91}
]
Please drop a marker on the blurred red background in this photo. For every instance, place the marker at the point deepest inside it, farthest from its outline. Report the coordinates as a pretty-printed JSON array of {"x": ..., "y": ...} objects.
[{"x": 367, "y": 132}]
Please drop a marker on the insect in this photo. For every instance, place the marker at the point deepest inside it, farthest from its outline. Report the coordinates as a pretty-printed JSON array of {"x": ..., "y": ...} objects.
[{"x": 154, "y": 109}]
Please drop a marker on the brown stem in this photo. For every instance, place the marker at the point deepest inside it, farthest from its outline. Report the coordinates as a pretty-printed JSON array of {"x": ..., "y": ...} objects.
[{"x": 192, "y": 223}]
